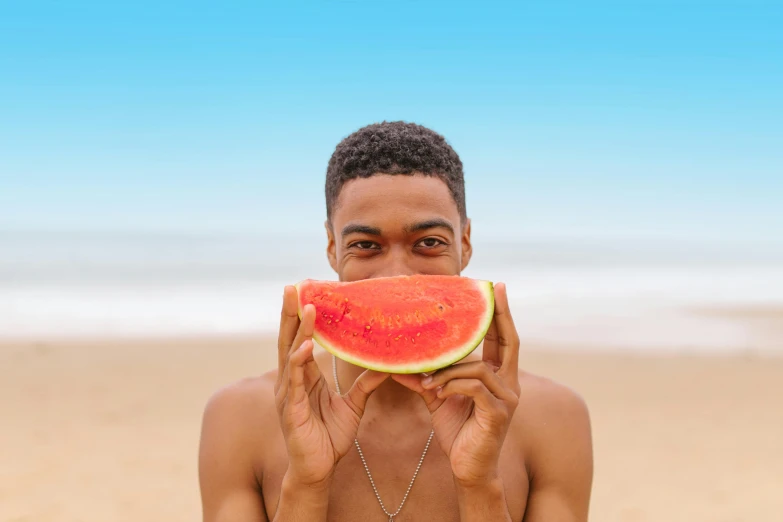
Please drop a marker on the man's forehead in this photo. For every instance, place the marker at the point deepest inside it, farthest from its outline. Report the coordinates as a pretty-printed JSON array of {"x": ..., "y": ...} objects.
[
  {"x": 378, "y": 227},
  {"x": 389, "y": 194}
]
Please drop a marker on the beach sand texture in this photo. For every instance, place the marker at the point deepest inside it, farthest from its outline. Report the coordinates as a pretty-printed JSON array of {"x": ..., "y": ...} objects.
[{"x": 107, "y": 430}]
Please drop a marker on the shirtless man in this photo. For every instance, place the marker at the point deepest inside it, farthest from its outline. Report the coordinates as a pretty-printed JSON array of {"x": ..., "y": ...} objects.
[{"x": 507, "y": 445}]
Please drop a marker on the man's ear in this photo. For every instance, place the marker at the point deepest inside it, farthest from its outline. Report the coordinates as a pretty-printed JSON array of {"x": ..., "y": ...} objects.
[
  {"x": 467, "y": 247},
  {"x": 331, "y": 246}
]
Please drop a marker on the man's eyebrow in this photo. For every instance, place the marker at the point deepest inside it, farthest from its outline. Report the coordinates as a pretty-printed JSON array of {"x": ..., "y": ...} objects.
[
  {"x": 355, "y": 228},
  {"x": 430, "y": 223}
]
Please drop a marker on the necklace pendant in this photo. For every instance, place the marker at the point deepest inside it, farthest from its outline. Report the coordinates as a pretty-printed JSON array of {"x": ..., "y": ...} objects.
[{"x": 391, "y": 518}]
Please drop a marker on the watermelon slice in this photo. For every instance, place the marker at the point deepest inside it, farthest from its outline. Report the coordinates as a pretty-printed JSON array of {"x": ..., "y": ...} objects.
[{"x": 401, "y": 324}]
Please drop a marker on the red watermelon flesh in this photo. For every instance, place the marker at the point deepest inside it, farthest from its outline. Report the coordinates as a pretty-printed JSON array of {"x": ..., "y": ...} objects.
[{"x": 401, "y": 324}]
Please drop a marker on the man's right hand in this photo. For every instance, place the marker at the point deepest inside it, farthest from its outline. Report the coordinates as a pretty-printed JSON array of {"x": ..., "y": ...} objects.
[{"x": 319, "y": 425}]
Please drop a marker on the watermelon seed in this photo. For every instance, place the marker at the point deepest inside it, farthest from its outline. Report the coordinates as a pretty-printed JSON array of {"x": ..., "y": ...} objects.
[
  {"x": 413, "y": 340},
  {"x": 329, "y": 321},
  {"x": 387, "y": 343},
  {"x": 367, "y": 327},
  {"x": 418, "y": 334},
  {"x": 355, "y": 333}
]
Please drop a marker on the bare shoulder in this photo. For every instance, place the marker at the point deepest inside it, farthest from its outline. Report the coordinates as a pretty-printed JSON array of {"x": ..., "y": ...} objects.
[
  {"x": 545, "y": 401},
  {"x": 239, "y": 421},
  {"x": 552, "y": 426},
  {"x": 246, "y": 411},
  {"x": 249, "y": 394},
  {"x": 551, "y": 421},
  {"x": 238, "y": 430}
]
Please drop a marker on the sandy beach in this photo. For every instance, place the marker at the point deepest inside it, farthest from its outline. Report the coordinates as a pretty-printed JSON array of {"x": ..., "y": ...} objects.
[{"x": 107, "y": 430}]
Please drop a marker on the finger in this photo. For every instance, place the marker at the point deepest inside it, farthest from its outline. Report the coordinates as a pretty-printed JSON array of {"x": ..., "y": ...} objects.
[
  {"x": 413, "y": 383},
  {"x": 303, "y": 333},
  {"x": 289, "y": 324},
  {"x": 296, "y": 372},
  {"x": 312, "y": 373},
  {"x": 507, "y": 336},
  {"x": 306, "y": 326},
  {"x": 362, "y": 387},
  {"x": 473, "y": 388},
  {"x": 478, "y": 370},
  {"x": 490, "y": 352}
]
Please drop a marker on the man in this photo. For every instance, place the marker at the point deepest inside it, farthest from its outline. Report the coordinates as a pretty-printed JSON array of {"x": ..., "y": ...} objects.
[{"x": 505, "y": 445}]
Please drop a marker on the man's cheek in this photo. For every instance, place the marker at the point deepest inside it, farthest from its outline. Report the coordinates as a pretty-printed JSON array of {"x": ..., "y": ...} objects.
[{"x": 353, "y": 269}]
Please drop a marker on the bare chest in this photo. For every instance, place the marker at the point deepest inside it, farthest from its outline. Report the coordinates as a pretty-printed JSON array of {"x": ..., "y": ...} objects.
[{"x": 431, "y": 498}]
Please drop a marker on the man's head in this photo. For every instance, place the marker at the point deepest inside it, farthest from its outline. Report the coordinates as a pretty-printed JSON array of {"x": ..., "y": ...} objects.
[{"x": 395, "y": 203}]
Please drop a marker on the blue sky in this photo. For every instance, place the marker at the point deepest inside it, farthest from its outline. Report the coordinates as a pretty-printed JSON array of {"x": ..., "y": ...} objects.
[{"x": 583, "y": 119}]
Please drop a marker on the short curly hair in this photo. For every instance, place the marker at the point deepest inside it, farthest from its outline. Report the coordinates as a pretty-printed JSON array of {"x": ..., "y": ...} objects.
[{"x": 394, "y": 148}]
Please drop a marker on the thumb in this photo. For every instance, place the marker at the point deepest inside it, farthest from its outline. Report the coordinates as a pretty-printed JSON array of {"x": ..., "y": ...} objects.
[
  {"x": 362, "y": 388},
  {"x": 413, "y": 383}
]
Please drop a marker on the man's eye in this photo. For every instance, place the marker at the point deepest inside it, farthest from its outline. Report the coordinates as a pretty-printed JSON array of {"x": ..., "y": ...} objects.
[
  {"x": 431, "y": 242},
  {"x": 365, "y": 245}
]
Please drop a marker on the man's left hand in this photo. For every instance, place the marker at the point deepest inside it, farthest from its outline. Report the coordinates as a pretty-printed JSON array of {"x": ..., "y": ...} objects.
[{"x": 471, "y": 404}]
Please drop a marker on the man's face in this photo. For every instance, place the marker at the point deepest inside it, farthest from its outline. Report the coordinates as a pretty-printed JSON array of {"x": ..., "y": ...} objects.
[{"x": 388, "y": 225}]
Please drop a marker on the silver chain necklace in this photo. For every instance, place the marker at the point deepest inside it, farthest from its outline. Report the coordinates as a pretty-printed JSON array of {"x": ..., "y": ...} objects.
[{"x": 364, "y": 462}]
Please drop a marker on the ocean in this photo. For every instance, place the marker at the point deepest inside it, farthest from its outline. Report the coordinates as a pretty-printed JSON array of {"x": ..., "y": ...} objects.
[{"x": 598, "y": 294}]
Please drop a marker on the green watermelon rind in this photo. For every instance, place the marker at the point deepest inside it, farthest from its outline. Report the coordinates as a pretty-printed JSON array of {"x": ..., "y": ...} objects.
[{"x": 457, "y": 354}]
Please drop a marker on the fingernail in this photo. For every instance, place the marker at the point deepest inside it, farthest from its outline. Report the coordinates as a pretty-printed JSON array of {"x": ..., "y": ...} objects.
[
  {"x": 438, "y": 390},
  {"x": 427, "y": 380}
]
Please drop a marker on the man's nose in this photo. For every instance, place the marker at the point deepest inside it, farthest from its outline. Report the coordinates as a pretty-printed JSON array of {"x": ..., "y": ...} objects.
[{"x": 398, "y": 262}]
